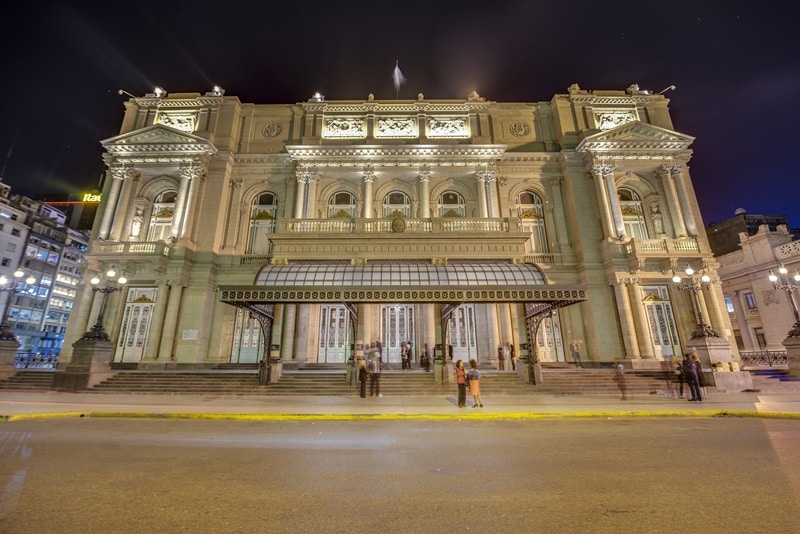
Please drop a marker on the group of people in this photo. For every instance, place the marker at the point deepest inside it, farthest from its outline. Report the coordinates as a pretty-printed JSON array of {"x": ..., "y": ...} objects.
[
  {"x": 468, "y": 379},
  {"x": 369, "y": 370},
  {"x": 504, "y": 352},
  {"x": 690, "y": 372}
]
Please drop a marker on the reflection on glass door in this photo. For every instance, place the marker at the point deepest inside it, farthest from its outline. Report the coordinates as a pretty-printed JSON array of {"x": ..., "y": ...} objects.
[
  {"x": 397, "y": 325},
  {"x": 248, "y": 345},
  {"x": 334, "y": 335},
  {"x": 549, "y": 345},
  {"x": 661, "y": 322},
  {"x": 135, "y": 328},
  {"x": 462, "y": 333}
]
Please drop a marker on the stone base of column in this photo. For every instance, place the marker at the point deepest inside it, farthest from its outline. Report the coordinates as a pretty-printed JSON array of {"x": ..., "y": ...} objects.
[
  {"x": 792, "y": 345},
  {"x": 89, "y": 366},
  {"x": 648, "y": 365},
  {"x": 8, "y": 351},
  {"x": 715, "y": 355}
]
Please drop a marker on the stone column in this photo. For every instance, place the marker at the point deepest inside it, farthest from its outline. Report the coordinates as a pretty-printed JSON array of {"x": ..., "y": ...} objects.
[
  {"x": 484, "y": 209},
  {"x": 191, "y": 200},
  {"x": 123, "y": 219},
  {"x": 287, "y": 334},
  {"x": 311, "y": 198},
  {"x": 613, "y": 200},
  {"x": 188, "y": 170},
  {"x": 675, "y": 213},
  {"x": 369, "y": 177},
  {"x": 119, "y": 172},
  {"x": 300, "y": 195},
  {"x": 640, "y": 320},
  {"x": 425, "y": 193},
  {"x": 629, "y": 340},
  {"x": 683, "y": 197},
  {"x": 741, "y": 319},
  {"x": 302, "y": 332},
  {"x": 556, "y": 232},
  {"x": 171, "y": 321},
  {"x": 606, "y": 218},
  {"x": 490, "y": 177}
]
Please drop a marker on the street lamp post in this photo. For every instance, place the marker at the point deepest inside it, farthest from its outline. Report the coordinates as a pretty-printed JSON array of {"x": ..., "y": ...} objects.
[
  {"x": 695, "y": 284},
  {"x": 5, "y": 330},
  {"x": 97, "y": 332},
  {"x": 789, "y": 285}
]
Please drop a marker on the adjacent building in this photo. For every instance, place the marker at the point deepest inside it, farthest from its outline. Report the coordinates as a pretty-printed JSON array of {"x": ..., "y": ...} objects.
[{"x": 308, "y": 231}]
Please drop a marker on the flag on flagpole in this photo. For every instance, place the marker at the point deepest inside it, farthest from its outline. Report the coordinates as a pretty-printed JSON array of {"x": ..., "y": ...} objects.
[{"x": 397, "y": 76}]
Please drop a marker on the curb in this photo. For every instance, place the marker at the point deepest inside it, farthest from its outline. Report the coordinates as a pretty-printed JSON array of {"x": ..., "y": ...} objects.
[{"x": 397, "y": 416}]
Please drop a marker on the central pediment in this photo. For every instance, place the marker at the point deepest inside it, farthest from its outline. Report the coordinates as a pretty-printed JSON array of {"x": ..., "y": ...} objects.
[
  {"x": 158, "y": 140},
  {"x": 635, "y": 135}
]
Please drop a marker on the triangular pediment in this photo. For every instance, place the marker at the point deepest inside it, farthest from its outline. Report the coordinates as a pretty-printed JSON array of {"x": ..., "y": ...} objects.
[
  {"x": 635, "y": 135},
  {"x": 157, "y": 139}
]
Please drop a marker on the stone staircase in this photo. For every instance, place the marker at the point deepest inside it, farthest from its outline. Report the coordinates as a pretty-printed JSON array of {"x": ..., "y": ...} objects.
[
  {"x": 565, "y": 381},
  {"x": 29, "y": 380},
  {"x": 774, "y": 380}
]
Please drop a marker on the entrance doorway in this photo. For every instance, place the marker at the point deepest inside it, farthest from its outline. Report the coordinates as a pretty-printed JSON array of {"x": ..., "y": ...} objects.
[
  {"x": 661, "y": 321},
  {"x": 248, "y": 345},
  {"x": 462, "y": 334},
  {"x": 334, "y": 335},
  {"x": 135, "y": 329},
  {"x": 397, "y": 325}
]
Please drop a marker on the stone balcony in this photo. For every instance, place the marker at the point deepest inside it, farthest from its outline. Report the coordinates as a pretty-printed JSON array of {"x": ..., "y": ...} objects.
[
  {"x": 660, "y": 254},
  {"x": 371, "y": 239}
]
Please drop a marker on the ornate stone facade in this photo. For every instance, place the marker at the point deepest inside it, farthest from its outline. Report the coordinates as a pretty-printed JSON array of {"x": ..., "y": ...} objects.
[{"x": 591, "y": 190}]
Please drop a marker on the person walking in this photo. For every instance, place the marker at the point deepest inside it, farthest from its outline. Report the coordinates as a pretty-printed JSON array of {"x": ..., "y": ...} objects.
[
  {"x": 375, "y": 375},
  {"x": 362, "y": 377},
  {"x": 474, "y": 378},
  {"x": 680, "y": 376},
  {"x": 690, "y": 375},
  {"x": 501, "y": 358},
  {"x": 426, "y": 358},
  {"x": 461, "y": 382},
  {"x": 512, "y": 355}
]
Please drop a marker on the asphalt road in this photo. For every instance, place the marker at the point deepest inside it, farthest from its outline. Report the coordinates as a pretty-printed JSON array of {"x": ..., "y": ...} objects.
[{"x": 723, "y": 474}]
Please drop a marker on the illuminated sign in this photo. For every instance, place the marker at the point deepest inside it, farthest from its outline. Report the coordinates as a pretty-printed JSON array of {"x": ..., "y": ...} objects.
[{"x": 91, "y": 197}]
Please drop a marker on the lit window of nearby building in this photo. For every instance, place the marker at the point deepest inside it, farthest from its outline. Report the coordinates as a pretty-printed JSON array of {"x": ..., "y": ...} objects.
[
  {"x": 729, "y": 304},
  {"x": 750, "y": 300}
]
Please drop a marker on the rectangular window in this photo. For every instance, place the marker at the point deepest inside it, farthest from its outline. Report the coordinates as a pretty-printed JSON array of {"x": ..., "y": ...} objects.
[
  {"x": 760, "y": 338},
  {"x": 15, "y": 231},
  {"x": 750, "y": 300},
  {"x": 5, "y": 262},
  {"x": 729, "y": 304}
]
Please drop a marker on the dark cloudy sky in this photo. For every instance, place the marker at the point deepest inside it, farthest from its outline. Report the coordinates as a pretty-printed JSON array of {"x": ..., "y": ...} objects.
[{"x": 736, "y": 66}]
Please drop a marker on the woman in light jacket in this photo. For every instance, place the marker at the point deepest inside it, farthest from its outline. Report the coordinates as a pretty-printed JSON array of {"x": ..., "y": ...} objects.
[{"x": 474, "y": 377}]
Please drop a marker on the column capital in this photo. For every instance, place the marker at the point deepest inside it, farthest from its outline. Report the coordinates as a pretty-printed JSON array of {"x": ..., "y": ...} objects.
[
  {"x": 368, "y": 174},
  {"x": 670, "y": 169},
  {"x": 122, "y": 170},
  {"x": 189, "y": 169},
  {"x": 486, "y": 172},
  {"x": 603, "y": 168}
]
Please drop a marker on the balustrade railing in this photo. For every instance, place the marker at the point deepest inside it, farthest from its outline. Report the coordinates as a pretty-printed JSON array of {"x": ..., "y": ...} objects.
[
  {"x": 445, "y": 224},
  {"x": 35, "y": 360},
  {"x": 764, "y": 358},
  {"x": 134, "y": 248}
]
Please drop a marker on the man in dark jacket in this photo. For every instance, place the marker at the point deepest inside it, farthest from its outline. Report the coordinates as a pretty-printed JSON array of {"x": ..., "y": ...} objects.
[{"x": 690, "y": 371}]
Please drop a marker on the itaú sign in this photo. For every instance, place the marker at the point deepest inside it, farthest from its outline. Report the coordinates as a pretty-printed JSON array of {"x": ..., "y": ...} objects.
[{"x": 91, "y": 197}]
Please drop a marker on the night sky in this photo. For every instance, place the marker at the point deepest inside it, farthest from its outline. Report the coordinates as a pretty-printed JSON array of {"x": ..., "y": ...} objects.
[{"x": 736, "y": 67}]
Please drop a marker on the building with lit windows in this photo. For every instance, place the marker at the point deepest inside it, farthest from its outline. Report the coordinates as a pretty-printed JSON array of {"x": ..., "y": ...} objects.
[{"x": 313, "y": 229}]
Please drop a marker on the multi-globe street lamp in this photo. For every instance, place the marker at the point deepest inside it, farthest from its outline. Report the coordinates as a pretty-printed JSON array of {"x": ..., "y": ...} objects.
[
  {"x": 695, "y": 284},
  {"x": 97, "y": 332},
  {"x": 5, "y": 330},
  {"x": 783, "y": 281}
]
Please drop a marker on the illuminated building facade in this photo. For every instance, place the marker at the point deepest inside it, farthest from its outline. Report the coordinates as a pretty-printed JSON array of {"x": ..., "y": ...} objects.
[{"x": 315, "y": 228}]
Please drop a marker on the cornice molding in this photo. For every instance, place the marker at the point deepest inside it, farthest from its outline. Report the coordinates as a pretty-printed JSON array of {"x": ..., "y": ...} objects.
[
  {"x": 396, "y": 155},
  {"x": 158, "y": 140},
  {"x": 635, "y": 135}
]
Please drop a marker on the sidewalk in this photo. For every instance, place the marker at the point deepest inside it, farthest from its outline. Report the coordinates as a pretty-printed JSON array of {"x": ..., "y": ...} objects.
[{"x": 16, "y": 406}]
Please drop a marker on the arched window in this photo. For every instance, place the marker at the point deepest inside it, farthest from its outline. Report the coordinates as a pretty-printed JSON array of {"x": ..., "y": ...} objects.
[
  {"x": 632, "y": 213},
  {"x": 530, "y": 211},
  {"x": 451, "y": 204},
  {"x": 395, "y": 203},
  {"x": 161, "y": 216},
  {"x": 263, "y": 213},
  {"x": 342, "y": 204}
]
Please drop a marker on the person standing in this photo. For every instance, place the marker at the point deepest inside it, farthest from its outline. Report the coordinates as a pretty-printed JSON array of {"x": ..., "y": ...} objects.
[
  {"x": 619, "y": 378},
  {"x": 512, "y": 355},
  {"x": 461, "y": 382},
  {"x": 680, "y": 376},
  {"x": 501, "y": 358},
  {"x": 404, "y": 355},
  {"x": 701, "y": 378},
  {"x": 375, "y": 375},
  {"x": 362, "y": 377},
  {"x": 474, "y": 378},
  {"x": 379, "y": 346},
  {"x": 690, "y": 375},
  {"x": 426, "y": 358}
]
